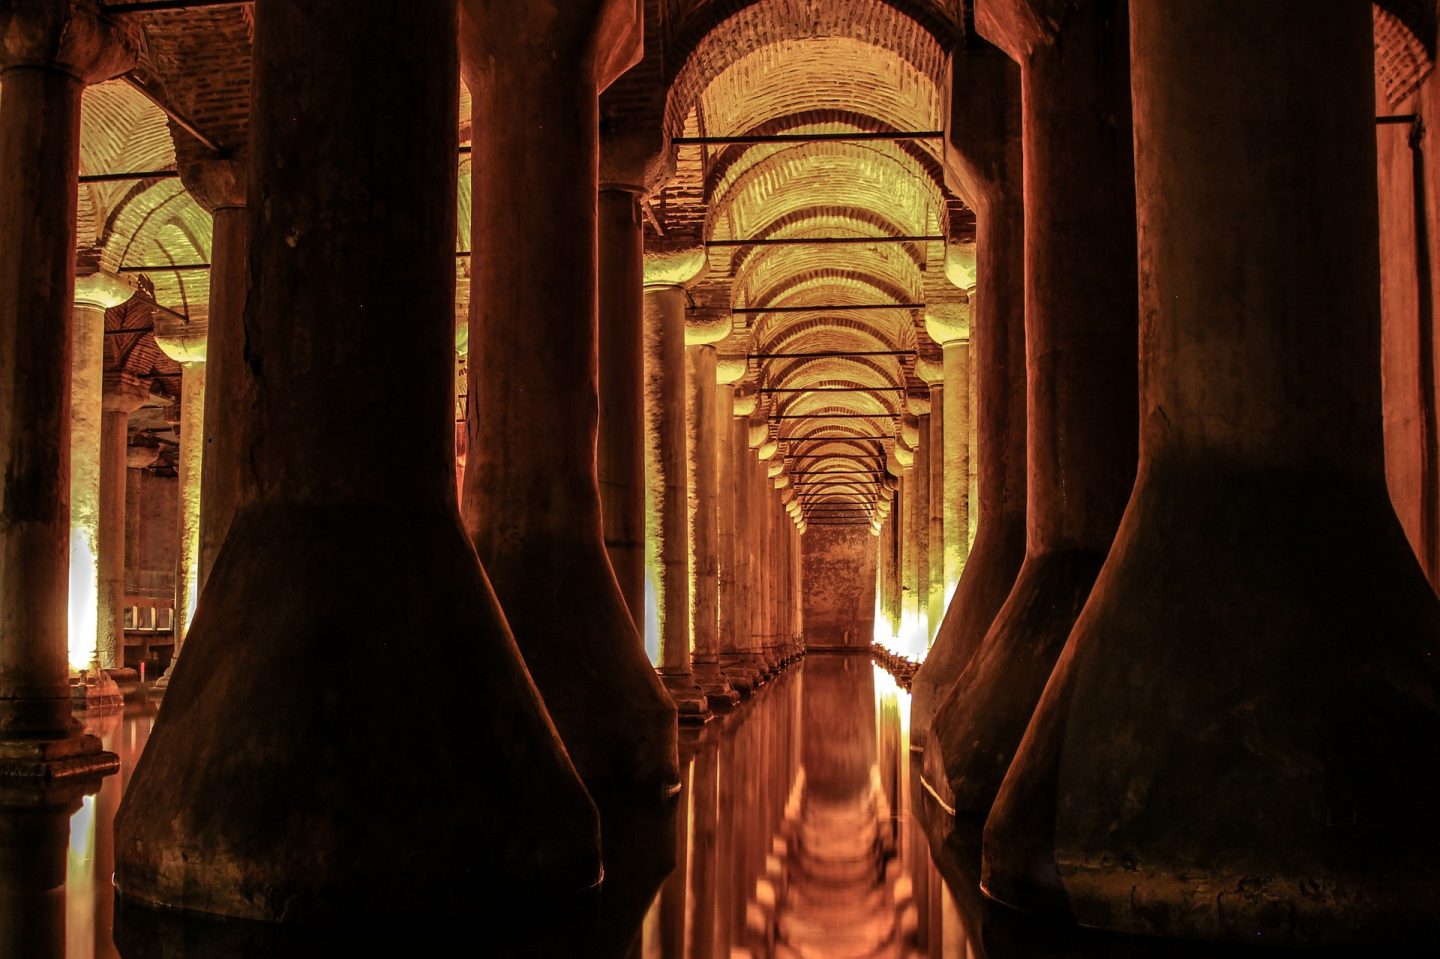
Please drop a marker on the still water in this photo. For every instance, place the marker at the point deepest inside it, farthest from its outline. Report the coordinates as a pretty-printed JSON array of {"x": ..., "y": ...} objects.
[{"x": 794, "y": 836}]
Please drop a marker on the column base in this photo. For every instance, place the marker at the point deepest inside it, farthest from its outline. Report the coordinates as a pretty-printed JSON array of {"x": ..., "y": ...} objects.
[
  {"x": 97, "y": 692},
  {"x": 717, "y": 689},
  {"x": 44, "y": 761},
  {"x": 691, "y": 704}
]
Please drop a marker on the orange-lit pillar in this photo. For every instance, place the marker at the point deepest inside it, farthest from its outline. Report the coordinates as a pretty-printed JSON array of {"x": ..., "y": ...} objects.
[
  {"x": 294, "y": 619},
  {"x": 703, "y": 473},
  {"x": 729, "y": 578},
  {"x": 1258, "y": 654},
  {"x": 185, "y": 341},
  {"x": 1081, "y": 323},
  {"x": 620, "y": 450},
  {"x": 89, "y": 631},
  {"x": 47, "y": 54},
  {"x": 764, "y": 563},
  {"x": 938, "y": 453},
  {"x": 667, "y": 539},
  {"x": 748, "y": 436},
  {"x": 983, "y": 153},
  {"x": 531, "y": 492},
  {"x": 124, "y": 393}
]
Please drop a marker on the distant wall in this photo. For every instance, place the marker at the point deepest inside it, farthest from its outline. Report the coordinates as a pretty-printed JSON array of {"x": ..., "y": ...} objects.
[{"x": 839, "y": 583}]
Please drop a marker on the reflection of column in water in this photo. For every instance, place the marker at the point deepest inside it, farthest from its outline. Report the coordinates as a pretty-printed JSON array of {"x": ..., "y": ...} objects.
[
  {"x": 727, "y": 877},
  {"x": 33, "y": 845},
  {"x": 702, "y": 852},
  {"x": 672, "y": 894}
]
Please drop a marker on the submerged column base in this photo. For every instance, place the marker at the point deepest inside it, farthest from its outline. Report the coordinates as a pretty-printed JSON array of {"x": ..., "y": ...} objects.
[
  {"x": 691, "y": 703},
  {"x": 64, "y": 759}
]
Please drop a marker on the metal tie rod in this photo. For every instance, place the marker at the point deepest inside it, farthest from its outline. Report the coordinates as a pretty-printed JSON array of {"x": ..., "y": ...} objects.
[
  {"x": 828, "y": 308},
  {"x": 859, "y": 136},
  {"x": 830, "y": 354},
  {"x": 826, "y": 240}
]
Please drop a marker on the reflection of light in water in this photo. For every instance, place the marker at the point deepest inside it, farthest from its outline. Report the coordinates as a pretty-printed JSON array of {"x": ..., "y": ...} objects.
[
  {"x": 914, "y": 635},
  {"x": 84, "y": 598},
  {"x": 80, "y": 882}
]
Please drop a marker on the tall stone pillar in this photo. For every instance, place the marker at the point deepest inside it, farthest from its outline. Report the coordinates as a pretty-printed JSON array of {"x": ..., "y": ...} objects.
[
  {"x": 1258, "y": 657},
  {"x": 94, "y": 294},
  {"x": 124, "y": 393},
  {"x": 950, "y": 495},
  {"x": 729, "y": 578},
  {"x": 983, "y": 158},
  {"x": 225, "y": 481},
  {"x": 185, "y": 343},
  {"x": 531, "y": 491},
  {"x": 747, "y": 565},
  {"x": 933, "y": 375},
  {"x": 48, "y": 52},
  {"x": 764, "y": 565},
  {"x": 703, "y": 426},
  {"x": 1081, "y": 320},
  {"x": 620, "y": 450},
  {"x": 667, "y": 538},
  {"x": 920, "y": 531},
  {"x": 341, "y": 552}
]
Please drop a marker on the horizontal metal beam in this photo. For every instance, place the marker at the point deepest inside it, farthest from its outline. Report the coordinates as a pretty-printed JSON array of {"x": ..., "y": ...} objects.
[
  {"x": 835, "y": 456},
  {"x": 164, "y": 268},
  {"x": 831, "y": 389},
  {"x": 856, "y": 137},
  {"x": 832, "y": 416},
  {"x": 138, "y": 329},
  {"x": 825, "y": 240},
  {"x": 829, "y": 354},
  {"x": 830, "y": 308},
  {"x": 180, "y": 119},
  {"x": 811, "y": 438},
  {"x": 124, "y": 177},
  {"x": 156, "y": 6}
]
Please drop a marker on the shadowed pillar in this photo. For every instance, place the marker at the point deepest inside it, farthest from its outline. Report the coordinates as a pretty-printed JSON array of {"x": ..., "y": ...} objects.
[
  {"x": 1258, "y": 661},
  {"x": 667, "y": 527},
  {"x": 185, "y": 341},
  {"x": 620, "y": 453},
  {"x": 309, "y": 804},
  {"x": 1080, "y": 321},
  {"x": 983, "y": 153},
  {"x": 225, "y": 481},
  {"x": 94, "y": 294},
  {"x": 124, "y": 394},
  {"x": 933, "y": 374},
  {"x": 532, "y": 500},
  {"x": 48, "y": 52},
  {"x": 703, "y": 429},
  {"x": 746, "y": 568}
]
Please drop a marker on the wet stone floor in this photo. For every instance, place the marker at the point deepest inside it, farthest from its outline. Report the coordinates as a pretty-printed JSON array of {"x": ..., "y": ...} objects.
[{"x": 793, "y": 837}]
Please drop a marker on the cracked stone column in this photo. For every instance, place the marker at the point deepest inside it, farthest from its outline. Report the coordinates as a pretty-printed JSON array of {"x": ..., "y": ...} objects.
[
  {"x": 94, "y": 294},
  {"x": 729, "y": 578},
  {"x": 225, "y": 481},
  {"x": 1081, "y": 321},
  {"x": 532, "y": 495},
  {"x": 1258, "y": 659},
  {"x": 667, "y": 537},
  {"x": 124, "y": 394},
  {"x": 703, "y": 428},
  {"x": 983, "y": 158},
  {"x": 342, "y": 553},
  {"x": 48, "y": 52}
]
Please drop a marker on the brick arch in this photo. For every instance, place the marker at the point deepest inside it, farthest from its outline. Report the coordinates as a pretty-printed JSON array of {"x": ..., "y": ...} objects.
[
  {"x": 707, "y": 36},
  {"x": 1405, "y": 37},
  {"x": 801, "y": 282}
]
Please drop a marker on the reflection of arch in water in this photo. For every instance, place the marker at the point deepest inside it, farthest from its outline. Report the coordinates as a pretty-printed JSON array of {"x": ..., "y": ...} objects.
[{"x": 838, "y": 734}]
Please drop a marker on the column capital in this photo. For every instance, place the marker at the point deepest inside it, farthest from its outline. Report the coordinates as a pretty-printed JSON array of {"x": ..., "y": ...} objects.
[
  {"x": 706, "y": 327},
  {"x": 141, "y": 457},
  {"x": 216, "y": 183},
  {"x": 931, "y": 373},
  {"x": 183, "y": 342},
  {"x": 71, "y": 36},
  {"x": 124, "y": 392},
  {"x": 103, "y": 290},
  {"x": 673, "y": 266},
  {"x": 947, "y": 322},
  {"x": 730, "y": 369}
]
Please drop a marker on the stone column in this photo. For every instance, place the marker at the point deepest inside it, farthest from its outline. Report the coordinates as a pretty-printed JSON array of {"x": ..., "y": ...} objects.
[
  {"x": 954, "y": 446},
  {"x": 764, "y": 570},
  {"x": 124, "y": 393},
  {"x": 620, "y": 453},
  {"x": 703, "y": 427},
  {"x": 1258, "y": 655},
  {"x": 920, "y": 532},
  {"x": 185, "y": 343},
  {"x": 1081, "y": 321},
  {"x": 94, "y": 295},
  {"x": 531, "y": 491},
  {"x": 935, "y": 532},
  {"x": 983, "y": 157},
  {"x": 226, "y": 481},
  {"x": 47, "y": 55},
  {"x": 745, "y": 509},
  {"x": 342, "y": 553},
  {"x": 667, "y": 538},
  {"x": 728, "y": 372}
]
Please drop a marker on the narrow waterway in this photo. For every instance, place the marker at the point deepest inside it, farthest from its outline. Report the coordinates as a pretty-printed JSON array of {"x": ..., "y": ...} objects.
[{"x": 794, "y": 837}]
